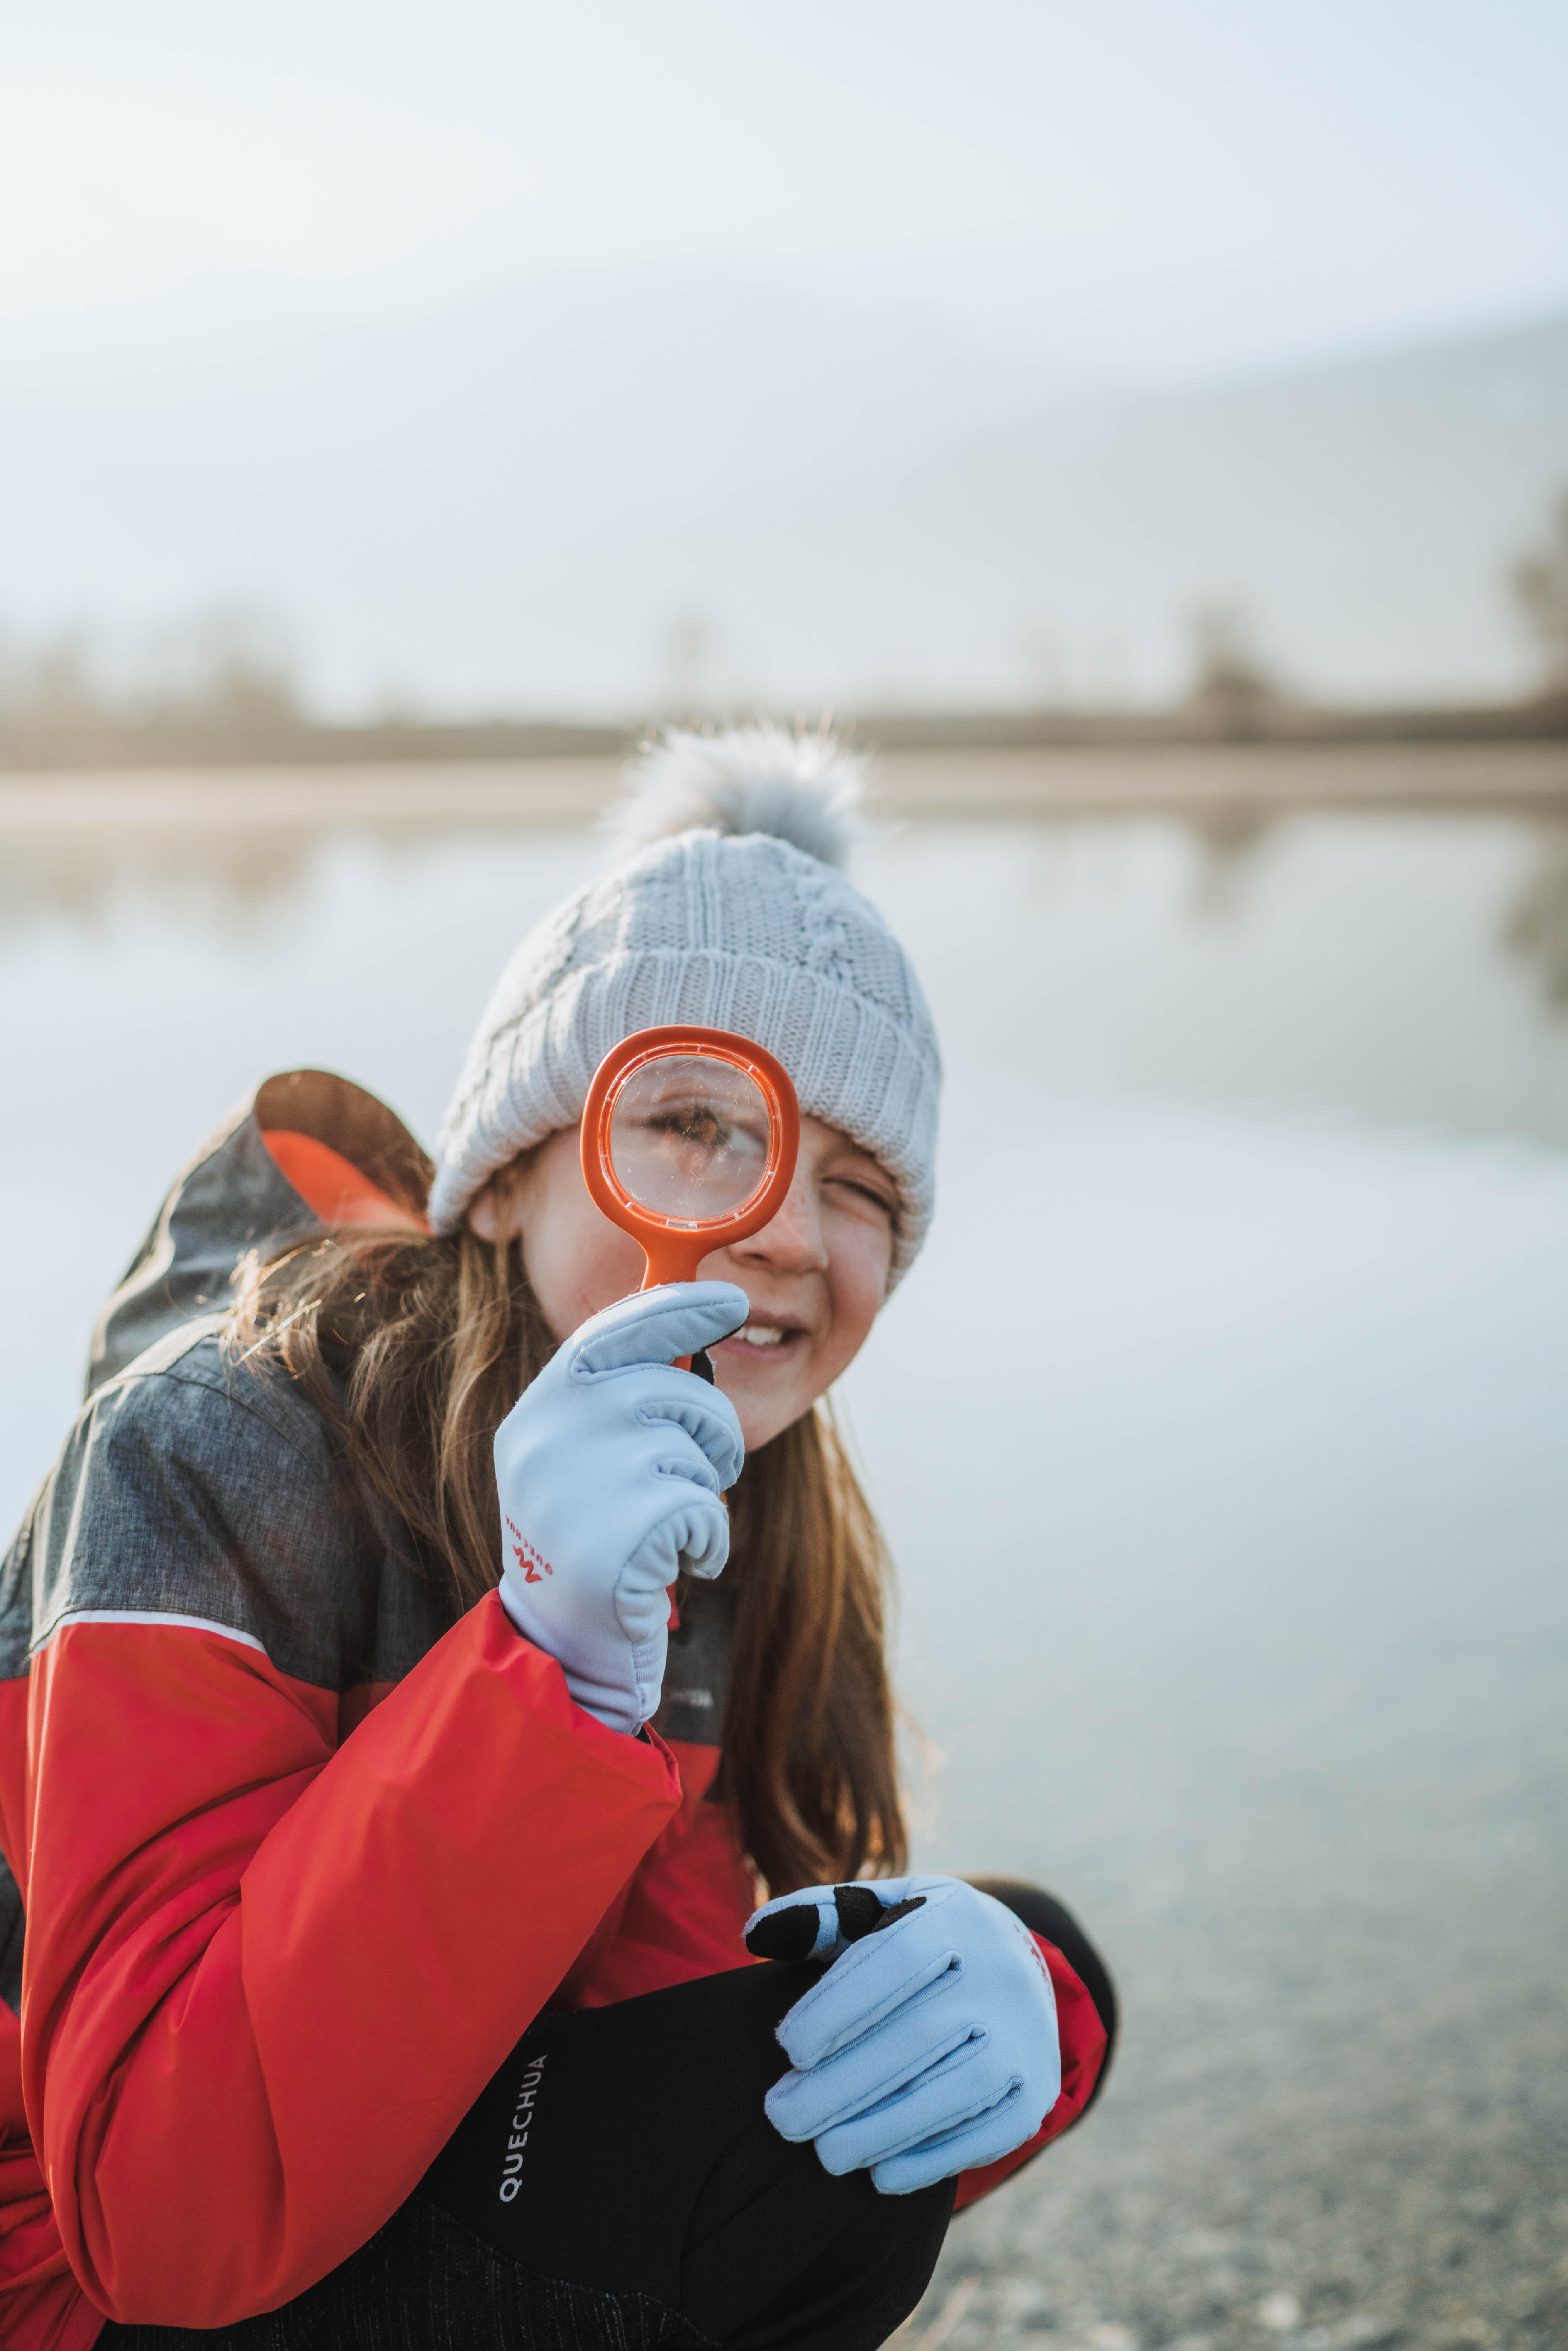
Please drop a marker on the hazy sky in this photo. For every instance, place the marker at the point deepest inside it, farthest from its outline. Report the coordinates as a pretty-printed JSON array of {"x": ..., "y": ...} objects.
[{"x": 1149, "y": 187}]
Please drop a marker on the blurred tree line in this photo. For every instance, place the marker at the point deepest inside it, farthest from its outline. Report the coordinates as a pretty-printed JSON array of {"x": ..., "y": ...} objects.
[
  {"x": 221, "y": 690},
  {"x": 225, "y": 691}
]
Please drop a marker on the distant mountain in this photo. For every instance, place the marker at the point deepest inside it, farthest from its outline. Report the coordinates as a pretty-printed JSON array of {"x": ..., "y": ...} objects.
[
  {"x": 589, "y": 498},
  {"x": 1363, "y": 515}
]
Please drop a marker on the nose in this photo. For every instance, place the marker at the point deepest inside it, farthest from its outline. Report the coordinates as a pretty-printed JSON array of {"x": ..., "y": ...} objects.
[{"x": 792, "y": 1242}]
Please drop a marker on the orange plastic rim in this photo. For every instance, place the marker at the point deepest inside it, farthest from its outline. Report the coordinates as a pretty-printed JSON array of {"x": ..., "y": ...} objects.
[{"x": 673, "y": 1246}]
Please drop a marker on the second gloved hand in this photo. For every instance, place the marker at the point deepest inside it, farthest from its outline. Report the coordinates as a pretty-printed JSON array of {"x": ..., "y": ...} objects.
[
  {"x": 610, "y": 1468},
  {"x": 930, "y": 2045}
]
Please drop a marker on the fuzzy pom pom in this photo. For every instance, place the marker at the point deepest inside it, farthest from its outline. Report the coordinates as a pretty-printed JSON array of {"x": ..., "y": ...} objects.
[{"x": 760, "y": 779}]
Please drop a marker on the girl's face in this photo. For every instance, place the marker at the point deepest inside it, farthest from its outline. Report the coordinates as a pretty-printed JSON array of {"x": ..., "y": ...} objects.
[{"x": 815, "y": 1276}]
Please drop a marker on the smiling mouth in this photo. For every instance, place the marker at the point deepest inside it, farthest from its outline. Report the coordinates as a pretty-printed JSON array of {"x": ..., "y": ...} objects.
[{"x": 764, "y": 1337}]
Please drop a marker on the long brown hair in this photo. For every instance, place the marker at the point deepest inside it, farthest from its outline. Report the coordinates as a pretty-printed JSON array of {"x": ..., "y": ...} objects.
[{"x": 415, "y": 1348}]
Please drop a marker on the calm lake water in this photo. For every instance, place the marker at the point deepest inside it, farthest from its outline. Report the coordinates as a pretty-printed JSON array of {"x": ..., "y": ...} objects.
[{"x": 1219, "y": 1434}]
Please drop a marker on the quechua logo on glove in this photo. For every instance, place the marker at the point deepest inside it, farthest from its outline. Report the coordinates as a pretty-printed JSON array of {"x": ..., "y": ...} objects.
[{"x": 529, "y": 1560}]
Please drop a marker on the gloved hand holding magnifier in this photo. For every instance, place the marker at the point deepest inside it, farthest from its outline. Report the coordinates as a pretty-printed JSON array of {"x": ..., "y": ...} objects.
[{"x": 611, "y": 1467}]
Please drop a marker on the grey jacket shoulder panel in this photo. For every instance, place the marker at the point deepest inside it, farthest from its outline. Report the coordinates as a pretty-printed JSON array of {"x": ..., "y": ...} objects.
[{"x": 195, "y": 1486}]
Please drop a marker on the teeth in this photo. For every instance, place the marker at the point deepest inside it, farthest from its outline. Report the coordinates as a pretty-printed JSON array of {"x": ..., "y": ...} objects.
[{"x": 761, "y": 1334}]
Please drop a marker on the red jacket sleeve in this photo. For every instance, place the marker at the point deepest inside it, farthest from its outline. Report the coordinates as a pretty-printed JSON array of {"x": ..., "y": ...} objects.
[
  {"x": 266, "y": 1975},
  {"x": 1084, "y": 2042}
]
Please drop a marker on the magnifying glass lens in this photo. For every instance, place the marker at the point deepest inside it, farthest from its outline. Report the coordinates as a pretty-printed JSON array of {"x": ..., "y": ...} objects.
[{"x": 689, "y": 1137}]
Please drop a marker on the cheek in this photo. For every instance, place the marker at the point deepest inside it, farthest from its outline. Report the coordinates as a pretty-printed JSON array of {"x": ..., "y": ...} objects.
[
  {"x": 577, "y": 1260},
  {"x": 858, "y": 1263}
]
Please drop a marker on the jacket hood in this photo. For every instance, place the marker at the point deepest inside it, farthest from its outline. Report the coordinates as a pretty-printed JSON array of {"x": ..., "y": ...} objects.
[{"x": 232, "y": 1197}]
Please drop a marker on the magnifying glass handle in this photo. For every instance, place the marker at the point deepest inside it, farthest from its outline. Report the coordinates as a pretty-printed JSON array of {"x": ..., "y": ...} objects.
[{"x": 702, "y": 1364}]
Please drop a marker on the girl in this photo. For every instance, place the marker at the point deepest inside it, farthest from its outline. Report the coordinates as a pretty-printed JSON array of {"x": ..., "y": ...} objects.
[{"x": 384, "y": 1864}]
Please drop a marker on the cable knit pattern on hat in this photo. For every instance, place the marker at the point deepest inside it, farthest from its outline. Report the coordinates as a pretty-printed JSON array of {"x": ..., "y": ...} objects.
[{"x": 728, "y": 925}]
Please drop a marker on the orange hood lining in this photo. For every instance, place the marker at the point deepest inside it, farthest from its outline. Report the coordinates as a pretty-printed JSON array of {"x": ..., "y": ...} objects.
[{"x": 333, "y": 1185}]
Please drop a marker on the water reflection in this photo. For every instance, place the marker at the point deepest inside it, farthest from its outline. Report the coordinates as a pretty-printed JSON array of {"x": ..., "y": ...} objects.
[
  {"x": 1536, "y": 929},
  {"x": 1228, "y": 838},
  {"x": 1391, "y": 968},
  {"x": 179, "y": 875},
  {"x": 198, "y": 849}
]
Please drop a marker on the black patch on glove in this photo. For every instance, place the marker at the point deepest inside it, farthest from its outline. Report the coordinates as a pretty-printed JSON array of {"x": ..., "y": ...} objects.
[
  {"x": 860, "y": 1912},
  {"x": 790, "y": 1934},
  {"x": 896, "y": 1911},
  {"x": 784, "y": 1934}
]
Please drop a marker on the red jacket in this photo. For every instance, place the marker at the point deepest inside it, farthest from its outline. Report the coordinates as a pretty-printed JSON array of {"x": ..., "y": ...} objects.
[{"x": 296, "y": 1857}]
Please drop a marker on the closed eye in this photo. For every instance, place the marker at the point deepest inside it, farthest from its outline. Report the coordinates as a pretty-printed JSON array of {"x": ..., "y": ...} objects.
[{"x": 870, "y": 1195}]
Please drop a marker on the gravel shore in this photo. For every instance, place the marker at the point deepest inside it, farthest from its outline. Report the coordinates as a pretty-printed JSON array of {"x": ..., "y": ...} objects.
[{"x": 1349, "y": 2141}]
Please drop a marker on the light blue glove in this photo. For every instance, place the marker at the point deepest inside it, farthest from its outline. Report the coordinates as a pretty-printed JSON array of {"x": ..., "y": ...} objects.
[
  {"x": 610, "y": 1468},
  {"x": 929, "y": 2046}
]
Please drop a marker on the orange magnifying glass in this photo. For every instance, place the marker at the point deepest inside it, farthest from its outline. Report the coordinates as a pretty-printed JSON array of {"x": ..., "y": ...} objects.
[{"x": 689, "y": 1141}]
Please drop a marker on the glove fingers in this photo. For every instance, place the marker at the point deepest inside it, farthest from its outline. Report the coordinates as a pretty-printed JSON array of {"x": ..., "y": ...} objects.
[
  {"x": 904, "y": 2050},
  {"x": 693, "y": 1533},
  {"x": 868, "y": 1983},
  {"x": 952, "y": 2094},
  {"x": 674, "y": 1401},
  {"x": 700, "y": 1532},
  {"x": 657, "y": 1325},
  {"x": 986, "y": 2138}
]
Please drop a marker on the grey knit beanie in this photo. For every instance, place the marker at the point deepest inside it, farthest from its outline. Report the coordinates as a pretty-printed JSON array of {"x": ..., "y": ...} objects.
[{"x": 732, "y": 914}]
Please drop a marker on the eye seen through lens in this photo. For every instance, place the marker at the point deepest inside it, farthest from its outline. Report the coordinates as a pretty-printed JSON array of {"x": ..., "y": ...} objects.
[{"x": 689, "y": 1137}]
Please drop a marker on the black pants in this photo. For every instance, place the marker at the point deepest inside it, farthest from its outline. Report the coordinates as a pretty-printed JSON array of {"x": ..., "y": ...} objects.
[{"x": 618, "y": 2186}]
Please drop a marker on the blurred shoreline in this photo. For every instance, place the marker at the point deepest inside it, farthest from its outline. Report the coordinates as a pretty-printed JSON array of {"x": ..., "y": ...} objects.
[
  {"x": 1201, "y": 781},
  {"x": 249, "y": 724}
]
